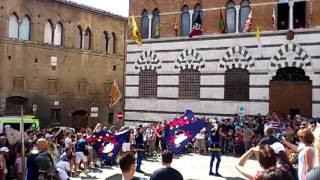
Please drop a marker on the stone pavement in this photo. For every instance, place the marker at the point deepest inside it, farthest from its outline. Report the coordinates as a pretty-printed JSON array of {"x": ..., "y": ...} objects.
[{"x": 191, "y": 166}]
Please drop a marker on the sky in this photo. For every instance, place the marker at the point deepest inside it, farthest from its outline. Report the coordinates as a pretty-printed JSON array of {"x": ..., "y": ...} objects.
[{"x": 119, "y": 7}]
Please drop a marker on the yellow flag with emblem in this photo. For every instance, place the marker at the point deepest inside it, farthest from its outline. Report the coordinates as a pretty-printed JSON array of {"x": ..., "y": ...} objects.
[
  {"x": 135, "y": 31},
  {"x": 258, "y": 33},
  {"x": 115, "y": 94}
]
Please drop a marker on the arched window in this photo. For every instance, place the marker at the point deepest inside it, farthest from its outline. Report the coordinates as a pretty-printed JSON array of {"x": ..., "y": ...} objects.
[
  {"x": 48, "y": 32},
  {"x": 24, "y": 29},
  {"x": 58, "y": 31},
  {"x": 87, "y": 39},
  {"x": 145, "y": 25},
  {"x": 148, "y": 81},
  {"x": 185, "y": 21},
  {"x": 197, "y": 12},
  {"x": 231, "y": 17},
  {"x": 236, "y": 87},
  {"x": 244, "y": 13},
  {"x": 112, "y": 44},
  {"x": 78, "y": 41},
  {"x": 104, "y": 41},
  {"x": 189, "y": 84},
  {"x": 13, "y": 26},
  {"x": 155, "y": 24}
]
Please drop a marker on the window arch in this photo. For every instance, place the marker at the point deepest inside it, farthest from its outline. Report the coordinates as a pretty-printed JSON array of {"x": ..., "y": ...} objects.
[
  {"x": 244, "y": 13},
  {"x": 13, "y": 26},
  {"x": 87, "y": 39},
  {"x": 236, "y": 87},
  {"x": 24, "y": 29},
  {"x": 231, "y": 17},
  {"x": 48, "y": 32},
  {"x": 189, "y": 84},
  {"x": 185, "y": 21},
  {"x": 104, "y": 41},
  {"x": 112, "y": 47},
  {"x": 145, "y": 25},
  {"x": 197, "y": 12},
  {"x": 155, "y": 23},
  {"x": 58, "y": 34},
  {"x": 78, "y": 41},
  {"x": 148, "y": 81}
]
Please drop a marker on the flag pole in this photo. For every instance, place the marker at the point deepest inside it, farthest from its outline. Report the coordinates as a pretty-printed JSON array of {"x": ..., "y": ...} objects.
[{"x": 22, "y": 144}]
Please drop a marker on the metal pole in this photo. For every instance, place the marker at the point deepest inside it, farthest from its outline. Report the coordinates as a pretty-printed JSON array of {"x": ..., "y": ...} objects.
[{"x": 22, "y": 144}]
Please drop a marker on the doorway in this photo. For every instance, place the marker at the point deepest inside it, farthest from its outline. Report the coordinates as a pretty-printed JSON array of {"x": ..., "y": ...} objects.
[
  {"x": 80, "y": 119},
  {"x": 291, "y": 92}
]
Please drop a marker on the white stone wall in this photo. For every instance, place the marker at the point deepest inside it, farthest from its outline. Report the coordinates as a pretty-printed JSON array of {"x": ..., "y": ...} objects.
[{"x": 212, "y": 49}]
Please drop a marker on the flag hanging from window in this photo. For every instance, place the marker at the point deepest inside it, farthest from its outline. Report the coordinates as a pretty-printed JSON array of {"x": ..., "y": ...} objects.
[
  {"x": 176, "y": 28},
  {"x": 135, "y": 31},
  {"x": 157, "y": 34},
  {"x": 258, "y": 36},
  {"x": 115, "y": 94},
  {"x": 273, "y": 18},
  {"x": 197, "y": 26},
  {"x": 310, "y": 13},
  {"x": 221, "y": 22},
  {"x": 249, "y": 23},
  {"x": 258, "y": 33}
]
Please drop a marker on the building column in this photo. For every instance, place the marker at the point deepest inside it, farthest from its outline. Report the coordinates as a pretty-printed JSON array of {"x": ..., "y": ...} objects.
[
  {"x": 150, "y": 23},
  {"x": 191, "y": 18},
  {"x": 291, "y": 4},
  {"x": 237, "y": 18}
]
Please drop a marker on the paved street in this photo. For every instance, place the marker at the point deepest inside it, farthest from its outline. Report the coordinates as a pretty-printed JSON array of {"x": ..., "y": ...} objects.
[{"x": 192, "y": 167}]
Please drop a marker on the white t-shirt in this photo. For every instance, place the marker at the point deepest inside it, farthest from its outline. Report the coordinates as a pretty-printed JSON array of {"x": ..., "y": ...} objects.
[
  {"x": 63, "y": 167},
  {"x": 67, "y": 142}
]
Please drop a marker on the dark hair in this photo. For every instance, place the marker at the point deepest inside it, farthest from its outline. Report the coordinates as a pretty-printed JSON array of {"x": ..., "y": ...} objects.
[
  {"x": 266, "y": 157},
  {"x": 167, "y": 157},
  {"x": 284, "y": 158},
  {"x": 275, "y": 174},
  {"x": 126, "y": 162}
]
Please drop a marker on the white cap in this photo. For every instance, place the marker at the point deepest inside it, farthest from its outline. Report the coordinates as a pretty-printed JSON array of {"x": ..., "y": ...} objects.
[
  {"x": 7, "y": 126},
  {"x": 4, "y": 149},
  {"x": 277, "y": 147}
]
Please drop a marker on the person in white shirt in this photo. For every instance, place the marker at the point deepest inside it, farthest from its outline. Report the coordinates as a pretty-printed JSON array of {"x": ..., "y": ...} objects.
[
  {"x": 63, "y": 168},
  {"x": 68, "y": 141}
]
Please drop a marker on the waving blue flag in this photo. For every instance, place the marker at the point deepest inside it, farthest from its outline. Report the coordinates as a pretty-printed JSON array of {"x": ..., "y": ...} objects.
[
  {"x": 182, "y": 130},
  {"x": 108, "y": 145}
]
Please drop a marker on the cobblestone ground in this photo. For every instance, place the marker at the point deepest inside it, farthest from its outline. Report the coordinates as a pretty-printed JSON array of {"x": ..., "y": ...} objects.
[{"x": 191, "y": 166}]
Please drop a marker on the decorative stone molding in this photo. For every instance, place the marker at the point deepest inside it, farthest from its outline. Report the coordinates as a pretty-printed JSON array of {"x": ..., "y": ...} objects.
[
  {"x": 278, "y": 62},
  {"x": 189, "y": 59},
  {"x": 236, "y": 57},
  {"x": 148, "y": 60}
]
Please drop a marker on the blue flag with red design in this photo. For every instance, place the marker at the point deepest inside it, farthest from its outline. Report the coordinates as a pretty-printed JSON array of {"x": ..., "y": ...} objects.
[
  {"x": 108, "y": 145},
  {"x": 182, "y": 130}
]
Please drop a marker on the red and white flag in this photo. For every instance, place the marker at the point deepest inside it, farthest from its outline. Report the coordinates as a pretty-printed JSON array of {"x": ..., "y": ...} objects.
[
  {"x": 273, "y": 18},
  {"x": 249, "y": 23}
]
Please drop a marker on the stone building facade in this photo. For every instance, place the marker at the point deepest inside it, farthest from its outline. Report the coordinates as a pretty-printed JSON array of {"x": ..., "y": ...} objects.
[
  {"x": 59, "y": 59},
  {"x": 224, "y": 71}
]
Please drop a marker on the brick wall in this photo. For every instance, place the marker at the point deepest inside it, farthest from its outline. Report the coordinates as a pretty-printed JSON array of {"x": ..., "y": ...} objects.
[{"x": 262, "y": 13}]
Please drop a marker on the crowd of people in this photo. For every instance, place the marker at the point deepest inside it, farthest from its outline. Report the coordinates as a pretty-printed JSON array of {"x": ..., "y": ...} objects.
[{"x": 284, "y": 147}]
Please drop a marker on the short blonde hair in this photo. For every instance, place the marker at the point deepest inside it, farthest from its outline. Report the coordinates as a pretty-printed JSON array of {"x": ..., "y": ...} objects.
[{"x": 41, "y": 141}]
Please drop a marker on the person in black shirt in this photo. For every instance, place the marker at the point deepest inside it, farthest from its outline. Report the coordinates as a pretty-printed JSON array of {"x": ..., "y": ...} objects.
[
  {"x": 269, "y": 138},
  {"x": 167, "y": 172},
  {"x": 139, "y": 149},
  {"x": 127, "y": 166},
  {"x": 214, "y": 147}
]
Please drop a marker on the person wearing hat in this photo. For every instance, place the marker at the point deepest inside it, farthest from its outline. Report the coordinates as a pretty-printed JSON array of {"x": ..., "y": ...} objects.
[
  {"x": 3, "y": 166},
  {"x": 214, "y": 148}
]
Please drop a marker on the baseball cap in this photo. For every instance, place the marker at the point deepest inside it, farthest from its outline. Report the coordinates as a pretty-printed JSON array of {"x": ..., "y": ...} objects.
[
  {"x": 277, "y": 147},
  {"x": 4, "y": 149}
]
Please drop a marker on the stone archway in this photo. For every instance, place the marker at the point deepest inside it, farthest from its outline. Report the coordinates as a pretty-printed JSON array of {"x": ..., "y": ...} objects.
[
  {"x": 14, "y": 103},
  {"x": 291, "y": 92},
  {"x": 80, "y": 119}
]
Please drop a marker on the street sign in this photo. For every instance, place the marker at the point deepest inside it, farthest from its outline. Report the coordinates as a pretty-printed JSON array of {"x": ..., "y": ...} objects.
[
  {"x": 94, "y": 109},
  {"x": 120, "y": 115},
  {"x": 93, "y": 115},
  {"x": 242, "y": 110}
]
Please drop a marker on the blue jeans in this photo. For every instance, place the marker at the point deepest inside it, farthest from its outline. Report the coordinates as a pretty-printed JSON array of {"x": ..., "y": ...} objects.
[
  {"x": 139, "y": 160},
  {"x": 215, "y": 155}
]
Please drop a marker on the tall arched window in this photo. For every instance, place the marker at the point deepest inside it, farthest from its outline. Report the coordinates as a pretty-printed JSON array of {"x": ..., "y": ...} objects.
[
  {"x": 104, "y": 41},
  {"x": 197, "y": 12},
  {"x": 189, "y": 84},
  {"x": 78, "y": 41},
  {"x": 145, "y": 25},
  {"x": 244, "y": 13},
  {"x": 58, "y": 31},
  {"x": 155, "y": 24},
  {"x": 112, "y": 44},
  {"x": 231, "y": 17},
  {"x": 87, "y": 39},
  {"x": 24, "y": 29},
  {"x": 148, "y": 81},
  {"x": 48, "y": 32},
  {"x": 185, "y": 21},
  {"x": 13, "y": 26},
  {"x": 236, "y": 87}
]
